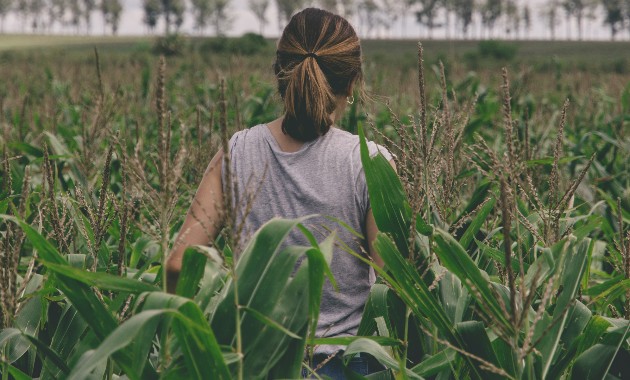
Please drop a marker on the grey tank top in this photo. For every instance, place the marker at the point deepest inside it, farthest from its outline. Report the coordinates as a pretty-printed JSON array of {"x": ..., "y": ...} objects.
[{"x": 324, "y": 177}]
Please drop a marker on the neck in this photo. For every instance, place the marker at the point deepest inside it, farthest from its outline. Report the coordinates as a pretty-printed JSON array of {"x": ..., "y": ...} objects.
[{"x": 286, "y": 142}]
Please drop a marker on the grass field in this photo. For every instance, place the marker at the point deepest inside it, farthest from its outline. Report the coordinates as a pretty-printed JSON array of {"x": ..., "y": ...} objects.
[
  {"x": 575, "y": 51},
  {"x": 505, "y": 230},
  {"x": 389, "y": 64}
]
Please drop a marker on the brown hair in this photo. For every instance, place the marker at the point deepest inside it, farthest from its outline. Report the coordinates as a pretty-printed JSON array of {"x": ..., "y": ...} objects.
[{"x": 318, "y": 58}]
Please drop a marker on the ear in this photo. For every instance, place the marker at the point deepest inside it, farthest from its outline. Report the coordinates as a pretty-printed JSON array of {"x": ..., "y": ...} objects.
[{"x": 350, "y": 89}]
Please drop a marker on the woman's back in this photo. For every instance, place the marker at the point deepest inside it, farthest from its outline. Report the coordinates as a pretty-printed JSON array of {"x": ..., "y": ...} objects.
[{"x": 323, "y": 177}]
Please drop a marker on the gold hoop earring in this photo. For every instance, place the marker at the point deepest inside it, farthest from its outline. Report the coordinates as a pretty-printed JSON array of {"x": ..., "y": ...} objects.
[{"x": 350, "y": 99}]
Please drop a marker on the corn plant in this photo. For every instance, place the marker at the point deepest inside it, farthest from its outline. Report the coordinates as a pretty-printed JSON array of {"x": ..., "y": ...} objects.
[
  {"x": 504, "y": 232},
  {"x": 523, "y": 316},
  {"x": 275, "y": 311}
]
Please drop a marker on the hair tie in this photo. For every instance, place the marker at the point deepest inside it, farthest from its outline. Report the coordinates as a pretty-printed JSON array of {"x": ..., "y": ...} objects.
[{"x": 310, "y": 54}]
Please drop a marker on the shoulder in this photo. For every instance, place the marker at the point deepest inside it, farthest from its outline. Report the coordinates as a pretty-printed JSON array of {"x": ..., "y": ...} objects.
[
  {"x": 245, "y": 136},
  {"x": 352, "y": 143},
  {"x": 254, "y": 131}
]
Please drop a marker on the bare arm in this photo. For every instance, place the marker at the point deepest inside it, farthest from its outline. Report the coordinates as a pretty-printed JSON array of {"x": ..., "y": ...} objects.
[
  {"x": 203, "y": 220},
  {"x": 371, "y": 230}
]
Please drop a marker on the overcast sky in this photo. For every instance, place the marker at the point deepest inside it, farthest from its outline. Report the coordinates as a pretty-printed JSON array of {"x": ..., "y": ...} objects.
[{"x": 244, "y": 21}]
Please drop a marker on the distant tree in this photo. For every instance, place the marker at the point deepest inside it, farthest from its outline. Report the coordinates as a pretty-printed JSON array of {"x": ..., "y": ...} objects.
[
  {"x": 5, "y": 8},
  {"x": 56, "y": 12},
  {"x": 527, "y": 19},
  {"x": 512, "y": 17},
  {"x": 448, "y": 7},
  {"x": 329, "y": 5},
  {"x": 577, "y": 9},
  {"x": 491, "y": 11},
  {"x": 201, "y": 14},
  {"x": 219, "y": 17},
  {"x": 259, "y": 8},
  {"x": 368, "y": 15},
  {"x": 111, "y": 9},
  {"x": 286, "y": 9},
  {"x": 426, "y": 13},
  {"x": 626, "y": 9},
  {"x": 549, "y": 14},
  {"x": 464, "y": 10},
  {"x": 88, "y": 7},
  {"x": 36, "y": 9},
  {"x": 22, "y": 9},
  {"x": 613, "y": 16},
  {"x": 76, "y": 14},
  {"x": 388, "y": 14},
  {"x": 348, "y": 7},
  {"x": 152, "y": 12},
  {"x": 173, "y": 12}
]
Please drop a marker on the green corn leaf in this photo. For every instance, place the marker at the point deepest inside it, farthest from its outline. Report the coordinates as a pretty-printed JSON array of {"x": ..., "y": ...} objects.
[
  {"x": 203, "y": 356},
  {"x": 408, "y": 284},
  {"x": 595, "y": 362},
  {"x": 498, "y": 256},
  {"x": 423, "y": 227},
  {"x": 479, "y": 195},
  {"x": 24, "y": 147},
  {"x": 46, "y": 251},
  {"x": 101, "y": 280},
  {"x": 98, "y": 317},
  {"x": 67, "y": 335},
  {"x": 77, "y": 260},
  {"x": 541, "y": 269},
  {"x": 294, "y": 311},
  {"x": 269, "y": 322},
  {"x": 550, "y": 160},
  {"x": 318, "y": 265},
  {"x": 435, "y": 364},
  {"x": 476, "y": 342},
  {"x": 15, "y": 372},
  {"x": 4, "y": 204},
  {"x": 454, "y": 297},
  {"x": 139, "y": 247},
  {"x": 275, "y": 306},
  {"x": 477, "y": 223},
  {"x": 270, "y": 291},
  {"x": 211, "y": 283},
  {"x": 378, "y": 305},
  {"x": 591, "y": 334},
  {"x": 254, "y": 262},
  {"x": 193, "y": 267},
  {"x": 269, "y": 345},
  {"x": 578, "y": 318},
  {"x": 573, "y": 266},
  {"x": 505, "y": 355},
  {"x": 391, "y": 210},
  {"x": 289, "y": 365},
  {"x": 593, "y": 222},
  {"x": 346, "y": 340},
  {"x": 48, "y": 354},
  {"x": 609, "y": 290},
  {"x": 12, "y": 344},
  {"x": 371, "y": 347},
  {"x": 456, "y": 259}
]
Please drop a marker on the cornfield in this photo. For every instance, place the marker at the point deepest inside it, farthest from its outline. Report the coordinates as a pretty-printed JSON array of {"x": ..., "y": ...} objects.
[{"x": 504, "y": 231}]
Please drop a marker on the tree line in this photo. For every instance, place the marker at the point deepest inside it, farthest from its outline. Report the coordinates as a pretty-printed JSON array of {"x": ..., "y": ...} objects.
[{"x": 491, "y": 18}]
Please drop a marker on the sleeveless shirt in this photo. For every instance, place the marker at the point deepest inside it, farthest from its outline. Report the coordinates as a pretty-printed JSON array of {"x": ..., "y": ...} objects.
[{"x": 324, "y": 177}]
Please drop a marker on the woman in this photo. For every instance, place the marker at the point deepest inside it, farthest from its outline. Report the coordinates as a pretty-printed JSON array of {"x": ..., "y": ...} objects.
[{"x": 300, "y": 164}]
